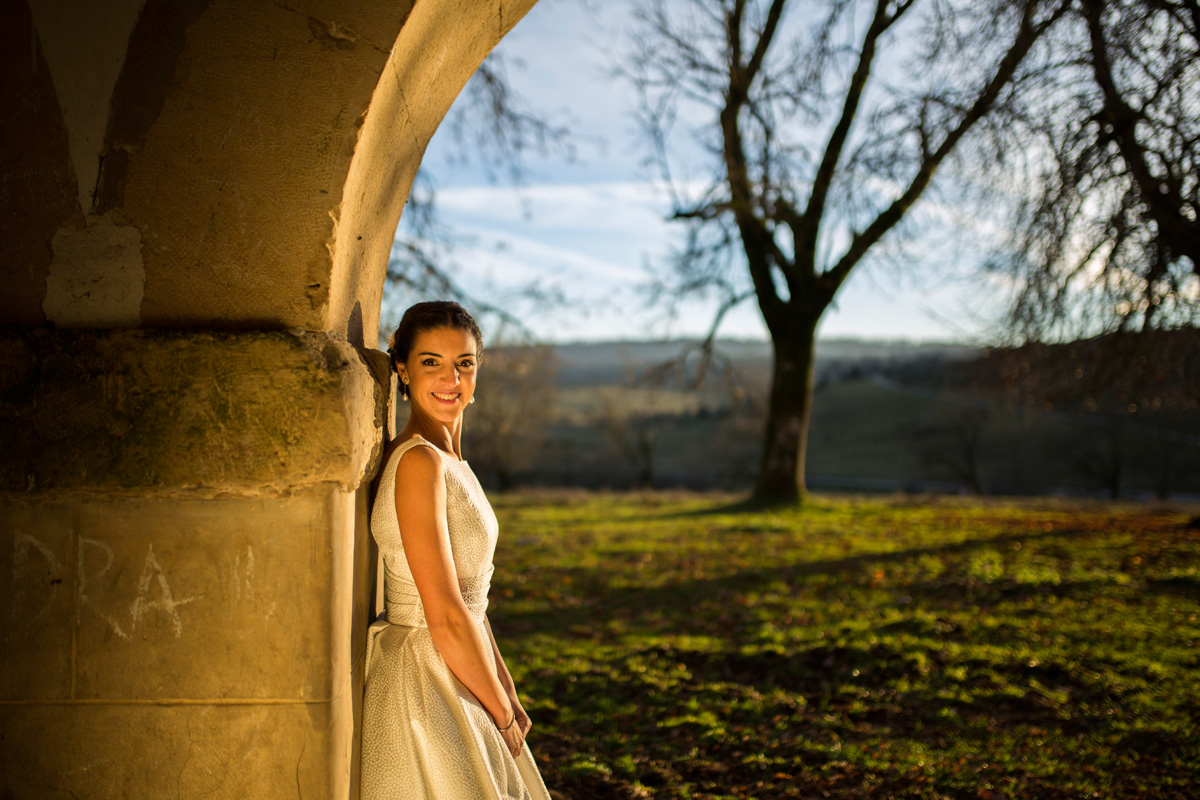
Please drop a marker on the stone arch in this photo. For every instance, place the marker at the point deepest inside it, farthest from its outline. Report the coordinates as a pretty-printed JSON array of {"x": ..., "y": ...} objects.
[
  {"x": 438, "y": 50},
  {"x": 262, "y": 152},
  {"x": 197, "y": 202}
]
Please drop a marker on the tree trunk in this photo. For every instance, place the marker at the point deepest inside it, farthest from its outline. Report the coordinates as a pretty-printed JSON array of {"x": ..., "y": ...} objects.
[{"x": 781, "y": 476}]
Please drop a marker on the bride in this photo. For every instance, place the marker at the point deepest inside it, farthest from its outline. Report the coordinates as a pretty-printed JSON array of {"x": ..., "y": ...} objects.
[{"x": 441, "y": 718}]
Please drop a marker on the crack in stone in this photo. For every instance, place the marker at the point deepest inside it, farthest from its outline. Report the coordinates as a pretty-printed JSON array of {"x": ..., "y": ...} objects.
[
  {"x": 72, "y": 795},
  {"x": 299, "y": 760},
  {"x": 339, "y": 35},
  {"x": 186, "y": 761},
  {"x": 403, "y": 98}
]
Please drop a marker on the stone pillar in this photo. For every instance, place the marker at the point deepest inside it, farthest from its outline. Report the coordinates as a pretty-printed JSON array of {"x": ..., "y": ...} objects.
[
  {"x": 197, "y": 203},
  {"x": 184, "y": 524}
]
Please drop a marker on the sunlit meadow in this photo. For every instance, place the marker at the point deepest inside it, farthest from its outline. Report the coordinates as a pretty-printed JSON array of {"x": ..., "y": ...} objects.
[{"x": 682, "y": 647}]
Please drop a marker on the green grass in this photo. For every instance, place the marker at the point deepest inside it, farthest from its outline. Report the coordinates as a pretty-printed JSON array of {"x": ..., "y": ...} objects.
[{"x": 858, "y": 648}]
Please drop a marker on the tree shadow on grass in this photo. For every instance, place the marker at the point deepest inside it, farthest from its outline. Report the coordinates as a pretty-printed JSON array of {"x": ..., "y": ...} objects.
[
  {"x": 746, "y": 505},
  {"x": 906, "y": 679},
  {"x": 748, "y": 747},
  {"x": 592, "y": 594},
  {"x": 719, "y": 753},
  {"x": 815, "y": 505},
  {"x": 1186, "y": 585}
]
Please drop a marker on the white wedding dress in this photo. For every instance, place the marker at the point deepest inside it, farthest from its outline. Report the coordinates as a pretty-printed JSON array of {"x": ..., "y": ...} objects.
[{"x": 424, "y": 735}]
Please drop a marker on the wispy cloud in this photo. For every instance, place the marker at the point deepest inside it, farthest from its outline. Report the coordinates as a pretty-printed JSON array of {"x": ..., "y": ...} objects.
[{"x": 625, "y": 206}]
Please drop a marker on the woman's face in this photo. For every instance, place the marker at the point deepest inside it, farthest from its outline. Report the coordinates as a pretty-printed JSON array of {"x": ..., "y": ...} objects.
[{"x": 441, "y": 370}]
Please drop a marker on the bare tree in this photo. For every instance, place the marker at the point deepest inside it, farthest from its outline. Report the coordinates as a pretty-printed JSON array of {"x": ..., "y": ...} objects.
[
  {"x": 504, "y": 429},
  {"x": 1102, "y": 458},
  {"x": 633, "y": 435},
  {"x": 815, "y": 158},
  {"x": 1112, "y": 239},
  {"x": 954, "y": 448},
  {"x": 1165, "y": 452}
]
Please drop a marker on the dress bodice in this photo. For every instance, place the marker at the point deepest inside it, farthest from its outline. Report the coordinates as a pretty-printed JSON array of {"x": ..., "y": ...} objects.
[{"x": 473, "y": 531}]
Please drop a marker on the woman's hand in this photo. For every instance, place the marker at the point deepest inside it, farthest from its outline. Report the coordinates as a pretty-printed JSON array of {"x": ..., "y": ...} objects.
[
  {"x": 523, "y": 721},
  {"x": 514, "y": 734},
  {"x": 520, "y": 718}
]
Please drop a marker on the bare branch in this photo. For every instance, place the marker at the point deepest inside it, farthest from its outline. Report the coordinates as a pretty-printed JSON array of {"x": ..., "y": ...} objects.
[
  {"x": 1028, "y": 33},
  {"x": 1178, "y": 236},
  {"x": 810, "y": 221},
  {"x": 494, "y": 124}
]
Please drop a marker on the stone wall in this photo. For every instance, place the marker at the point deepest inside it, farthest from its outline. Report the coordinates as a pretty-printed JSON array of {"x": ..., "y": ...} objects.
[
  {"x": 184, "y": 521},
  {"x": 163, "y": 646},
  {"x": 197, "y": 202}
]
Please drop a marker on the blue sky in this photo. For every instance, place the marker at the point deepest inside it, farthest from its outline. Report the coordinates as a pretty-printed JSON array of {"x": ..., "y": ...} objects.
[{"x": 588, "y": 229}]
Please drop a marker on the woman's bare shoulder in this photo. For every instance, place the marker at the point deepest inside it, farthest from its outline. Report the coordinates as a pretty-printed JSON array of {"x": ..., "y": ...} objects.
[
  {"x": 420, "y": 460},
  {"x": 420, "y": 484},
  {"x": 414, "y": 442}
]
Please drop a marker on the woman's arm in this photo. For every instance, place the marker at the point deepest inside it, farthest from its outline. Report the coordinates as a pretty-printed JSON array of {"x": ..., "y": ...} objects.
[
  {"x": 421, "y": 512},
  {"x": 507, "y": 681}
]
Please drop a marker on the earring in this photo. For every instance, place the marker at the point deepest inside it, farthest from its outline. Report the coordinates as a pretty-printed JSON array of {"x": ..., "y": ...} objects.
[
  {"x": 472, "y": 400},
  {"x": 404, "y": 392}
]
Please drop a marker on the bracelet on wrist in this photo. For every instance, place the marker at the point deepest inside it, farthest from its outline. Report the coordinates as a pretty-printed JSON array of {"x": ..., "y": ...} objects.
[{"x": 510, "y": 724}]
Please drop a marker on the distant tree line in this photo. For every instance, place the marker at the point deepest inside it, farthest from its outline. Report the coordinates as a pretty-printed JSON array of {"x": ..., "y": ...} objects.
[{"x": 1028, "y": 420}]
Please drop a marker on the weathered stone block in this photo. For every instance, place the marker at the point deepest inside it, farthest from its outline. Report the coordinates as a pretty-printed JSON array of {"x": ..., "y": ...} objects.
[
  {"x": 105, "y": 751},
  {"x": 204, "y": 414},
  {"x": 163, "y": 599},
  {"x": 211, "y": 599}
]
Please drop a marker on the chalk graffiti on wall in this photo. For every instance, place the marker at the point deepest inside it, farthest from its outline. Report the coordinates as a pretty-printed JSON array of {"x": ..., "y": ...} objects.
[
  {"x": 152, "y": 572},
  {"x": 23, "y": 615},
  {"x": 243, "y": 575},
  {"x": 82, "y": 584},
  {"x": 37, "y": 568},
  {"x": 153, "y": 591},
  {"x": 243, "y": 587}
]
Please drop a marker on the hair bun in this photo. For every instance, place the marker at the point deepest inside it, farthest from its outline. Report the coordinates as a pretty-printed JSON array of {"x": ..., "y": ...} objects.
[{"x": 427, "y": 316}]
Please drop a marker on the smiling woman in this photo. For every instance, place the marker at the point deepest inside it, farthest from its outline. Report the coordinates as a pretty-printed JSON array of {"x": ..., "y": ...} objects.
[{"x": 441, "y": 716}]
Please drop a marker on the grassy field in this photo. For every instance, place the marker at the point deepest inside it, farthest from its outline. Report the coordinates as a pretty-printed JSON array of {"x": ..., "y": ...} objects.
[{"x": 672, "y": 647}]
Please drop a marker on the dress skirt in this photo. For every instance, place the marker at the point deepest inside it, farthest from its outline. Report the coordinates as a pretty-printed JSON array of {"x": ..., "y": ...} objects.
[{"x": 425, "y": 736}]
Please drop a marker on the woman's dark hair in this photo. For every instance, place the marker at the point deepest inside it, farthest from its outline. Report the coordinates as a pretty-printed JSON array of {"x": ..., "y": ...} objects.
[{"x": 426, "y": 317}]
